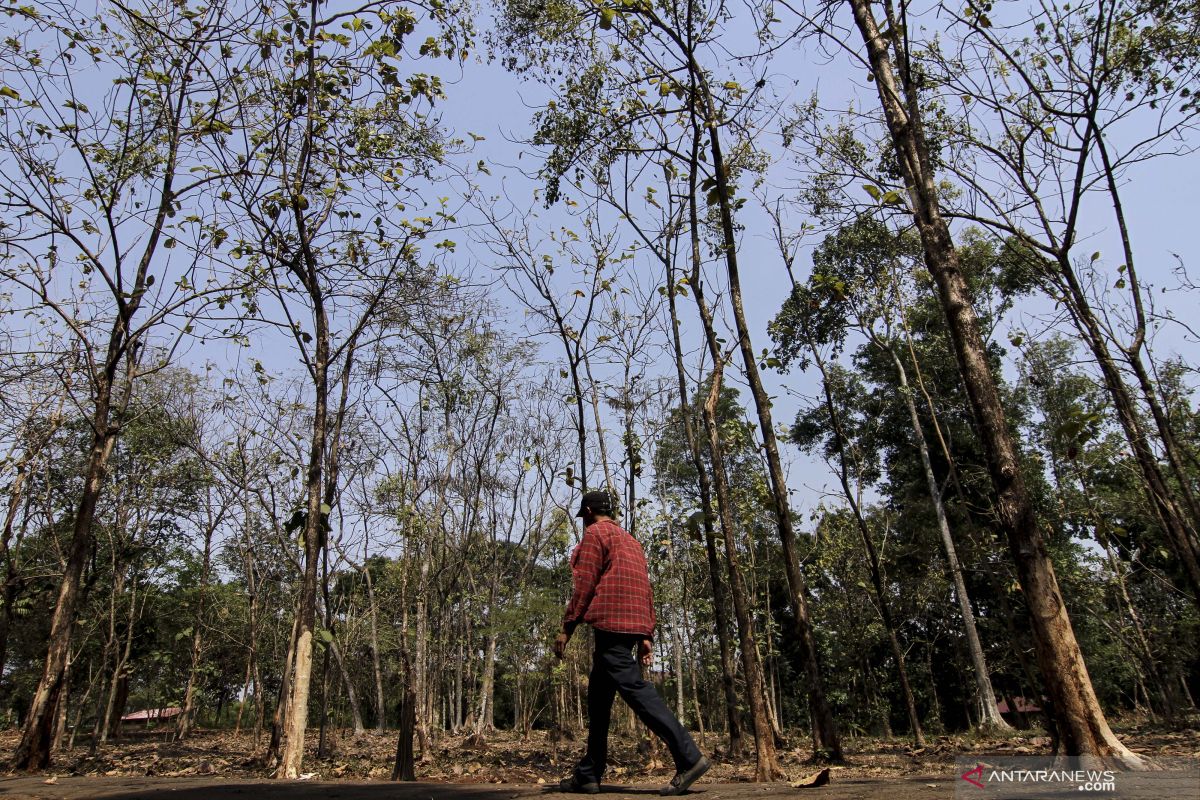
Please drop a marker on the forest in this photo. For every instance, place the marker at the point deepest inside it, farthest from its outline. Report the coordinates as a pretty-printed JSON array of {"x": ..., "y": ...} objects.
[{"x": 318, "y": 317}]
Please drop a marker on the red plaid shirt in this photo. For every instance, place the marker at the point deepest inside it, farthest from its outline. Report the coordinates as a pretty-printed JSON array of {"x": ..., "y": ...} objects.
[{"x": 612, "y": 585}]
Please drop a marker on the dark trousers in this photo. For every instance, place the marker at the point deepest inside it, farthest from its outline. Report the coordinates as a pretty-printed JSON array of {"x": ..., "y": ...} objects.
[{"x": 614, "y": 670}]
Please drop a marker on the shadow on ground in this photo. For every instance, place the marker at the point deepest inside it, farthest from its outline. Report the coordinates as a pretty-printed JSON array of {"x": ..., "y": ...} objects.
[{"x": 214, "y": 788}]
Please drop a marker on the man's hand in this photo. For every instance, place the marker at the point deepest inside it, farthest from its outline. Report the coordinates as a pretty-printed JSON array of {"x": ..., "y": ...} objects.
[
  {"x": 560, "y": 644},
  {"x": 646, "y": 652}
]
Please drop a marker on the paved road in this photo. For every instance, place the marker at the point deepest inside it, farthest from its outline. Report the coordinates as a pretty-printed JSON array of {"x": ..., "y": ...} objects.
[{"x": 213, "y": 788}]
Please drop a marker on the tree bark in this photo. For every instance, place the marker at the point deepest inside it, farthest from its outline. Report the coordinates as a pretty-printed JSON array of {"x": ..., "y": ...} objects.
[
  {"x": 296, "y": 722},
  {"x": 348, "y": 683},
  {"x": 1180, "y": 539},
  {"x": 873, "y": 566},
  {"x": 704, "y": 484},
  {"x": 989, "y": 714},
  {"x": 189, "y": 696},
  {"x": 33, "y": 750},
  {"x": 826, "y": 744},
  {"x": 377, "y": 669},
  {"x": 766, "y": 761},
  {"x": 1082, "y": 728}
]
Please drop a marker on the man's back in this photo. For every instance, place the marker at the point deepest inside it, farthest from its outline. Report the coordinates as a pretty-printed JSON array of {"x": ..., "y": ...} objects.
[{"x": 612, "y": 583}]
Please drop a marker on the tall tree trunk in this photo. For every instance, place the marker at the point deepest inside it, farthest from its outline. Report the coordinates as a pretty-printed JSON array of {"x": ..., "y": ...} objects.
[
  {"x": 186, "y": 721},
  {"x": 373, "y": 642},
  {"x": 677, "y": 626},
  {"x": 33, "y": 750},
  {"x": 1082, "y": 728},
  {"x": 989, "y": 714},
  {"x": 305, "y": 268},
  {"x": 119, "y": 688},
  {"x": 420, "y": 677},
  {"x": 704, "y": 482},
  {"x": 825, "y": 739},
  {"x": 1181, "y": 540},
  {"x": 1133, "y": 356},
  {"x": 706, "y": 117},
  {"x": 273, "y": 754},
  {"x": 487, "y": 690},
  {"x": 252, "y": 665},
  {"x": 296, "y": 722},
  {"x": 766, "y": 761},
  {"x": 108, "y": 654},
  {"x": 873, "y": 565},
  {"x": 323, "y": 742},
  {"x": 64, "y": 702},
  {"x": 348, "y": 684}
]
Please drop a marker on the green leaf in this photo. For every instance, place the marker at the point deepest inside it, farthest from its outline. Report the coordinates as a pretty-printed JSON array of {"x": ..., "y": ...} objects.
[
  {"x": 6, "y": 91},
  {"x": 607, "y": 15},
  {"x": 892, "y": 198},
  {"x": 325, "y": 509},
  {"x": 873, "y": 191}
]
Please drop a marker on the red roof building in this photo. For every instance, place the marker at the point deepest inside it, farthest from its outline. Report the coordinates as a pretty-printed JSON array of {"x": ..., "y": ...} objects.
[
  {"x": 151, "y": 714},
  {"x": 1023, "y": 706}
]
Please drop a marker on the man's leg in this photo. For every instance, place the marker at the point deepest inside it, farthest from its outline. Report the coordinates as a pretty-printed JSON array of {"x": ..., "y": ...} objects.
[
  {"x": 643, "y": 698},
  {"x": 601, "y": 692}
]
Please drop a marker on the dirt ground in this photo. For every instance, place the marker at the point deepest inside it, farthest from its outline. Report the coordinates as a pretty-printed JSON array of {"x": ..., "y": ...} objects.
[{"x": 146, "y": 765}]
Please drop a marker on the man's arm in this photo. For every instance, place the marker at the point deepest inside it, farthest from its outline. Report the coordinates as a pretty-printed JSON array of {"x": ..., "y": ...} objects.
[{"x": 586, "y": 565}]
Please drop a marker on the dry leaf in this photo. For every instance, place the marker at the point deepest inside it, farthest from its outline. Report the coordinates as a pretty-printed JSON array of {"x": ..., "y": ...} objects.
[{"x": 812, "y": 781}]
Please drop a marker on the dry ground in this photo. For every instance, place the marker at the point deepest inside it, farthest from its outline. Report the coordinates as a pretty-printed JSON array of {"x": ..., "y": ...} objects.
[{"x": 219, "y": 766}]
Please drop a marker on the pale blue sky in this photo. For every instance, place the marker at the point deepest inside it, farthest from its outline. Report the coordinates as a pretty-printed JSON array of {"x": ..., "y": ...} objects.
[{"x": 1159, "y": 197}]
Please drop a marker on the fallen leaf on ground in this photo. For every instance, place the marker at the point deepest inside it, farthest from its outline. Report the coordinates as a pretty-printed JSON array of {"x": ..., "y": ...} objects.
[{"x": 812, "y": 781}]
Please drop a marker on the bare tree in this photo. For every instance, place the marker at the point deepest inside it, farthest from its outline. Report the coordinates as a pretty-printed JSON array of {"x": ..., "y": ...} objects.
[
  {"x": 92, "y": 188},
  {"x": 1082, "y": 727}
]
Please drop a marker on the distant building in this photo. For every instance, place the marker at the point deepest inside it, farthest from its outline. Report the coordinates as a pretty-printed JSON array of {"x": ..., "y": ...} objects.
[
  {"x": 1017, "y": 713},
  {"x": 152, "y": 715}
]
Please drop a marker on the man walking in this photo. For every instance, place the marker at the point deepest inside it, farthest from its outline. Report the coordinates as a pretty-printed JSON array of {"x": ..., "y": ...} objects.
[{"x": 612, "y": 594}]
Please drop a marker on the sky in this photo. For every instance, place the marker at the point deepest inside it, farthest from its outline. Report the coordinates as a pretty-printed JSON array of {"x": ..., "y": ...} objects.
[
  {"x": 1160, "y": 199},
  {"x": 484, "y": 99}
]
